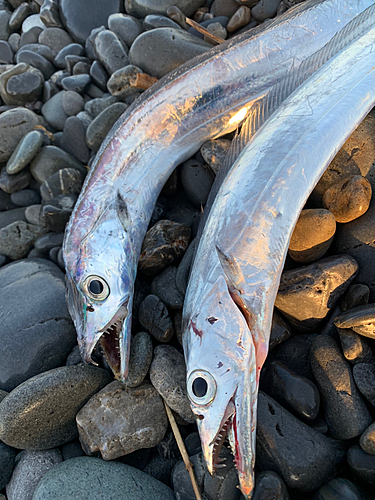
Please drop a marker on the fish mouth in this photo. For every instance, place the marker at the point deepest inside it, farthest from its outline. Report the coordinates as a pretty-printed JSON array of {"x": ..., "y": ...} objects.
[{"x": 217, "y": 443}]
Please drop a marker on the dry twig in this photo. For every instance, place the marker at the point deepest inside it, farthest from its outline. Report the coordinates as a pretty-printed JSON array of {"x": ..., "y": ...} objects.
[{"x": 204, "y": 31}]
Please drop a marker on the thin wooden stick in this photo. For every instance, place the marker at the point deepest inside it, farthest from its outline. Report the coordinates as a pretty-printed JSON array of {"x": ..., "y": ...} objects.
[
  {"x": 181, "y": 447},
  {"x": 203, "y": 30}
]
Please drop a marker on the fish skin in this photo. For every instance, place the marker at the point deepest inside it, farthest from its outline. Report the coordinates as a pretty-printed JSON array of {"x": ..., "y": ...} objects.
[
  {"x": 226, "y": 328},
  {"x": 169, "y": 123}
]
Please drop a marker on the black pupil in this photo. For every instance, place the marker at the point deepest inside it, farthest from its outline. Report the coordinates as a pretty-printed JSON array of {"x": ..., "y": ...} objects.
[
  {"x": 96, "y": 287},
  {"x": 200, "y": 387}
]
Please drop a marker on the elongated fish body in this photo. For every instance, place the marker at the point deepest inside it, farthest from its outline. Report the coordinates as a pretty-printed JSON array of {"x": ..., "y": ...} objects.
[
  {"x": 199, "y": 101},
  {"x": 229, "y": 301}
]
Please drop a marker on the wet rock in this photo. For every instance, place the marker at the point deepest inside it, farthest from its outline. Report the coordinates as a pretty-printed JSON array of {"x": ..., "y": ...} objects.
[
  {"x": 197, "y": 181},
  {"x": 13, "y": 183},
  {"x": 214, "y": 152},
  {"x": 163, "y": 245},
  {"x": 168, "y": 376},
  {"x": 17, "y": 239},
  {"x": 99, "y": 128},
  {"x": 73, "y": 140},
  {"x": 26, "y": 419},
  {"x": 356, "y": 295},
  {"x": 280, "y": 331},
  {"x": 362, "y": 465},
  {"x": 239, "y": 19},
  {"x": 140, "y": 358},
  {"x": 118, "y": 421},
  {"x": 7, "y": 460},
  {"x": 14, "y": 125},
  {"x": 344, "y": 410},
  {"x": 295, "y": 393},
  {"x": 303, "y": 457},
  {"x": 126, "y": 27},
  {"x": 66, "y": 180},
  {"x": 269, "y": 486},
  {"x": 354, "y": 347},
  {"x": 307, "y": 294},
  {"x": 349, "y": 199},
  {"x": 367, "y": 440},
  {"x": 161, "y": 50},
  {"x": 25, "y": 198},
  {"x": 164, "y": 286},
  {"x": 31, "y": 466},
  {"x": 50, "y": 160},
  {"x": 338, "y": 488},
  {"x": 312, "y": 235},
  {"x": 88, "y": 477},
  {"x": 154, "y": 316},
  {"x": 141, "y": 8},
  {"x": 265, "y": 9},
  {"x": 360, "y": 319},
  {"x": 111, "y": 51},
  {"x": 27, "y": 148},
  {"x": 56, "y": 38},
  {"x": 364, "y": 377}
]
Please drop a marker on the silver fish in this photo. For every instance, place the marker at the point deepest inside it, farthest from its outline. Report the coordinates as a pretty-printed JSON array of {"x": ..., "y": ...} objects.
[
  {"x": 201, "y": 100},
  {"x": 230, "y": 297}
]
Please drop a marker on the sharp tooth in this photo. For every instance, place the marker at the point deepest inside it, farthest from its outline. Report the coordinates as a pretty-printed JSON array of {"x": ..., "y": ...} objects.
[{"x": 220, "y": 466}]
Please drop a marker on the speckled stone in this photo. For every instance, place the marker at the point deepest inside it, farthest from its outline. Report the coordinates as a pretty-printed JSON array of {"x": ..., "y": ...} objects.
[
  {"x": 118, "y": 420},
  {"x": 349, "y": 199},
  {"x": 119, "y": 84},
  {"x": 40, "y": 413},
  {"x": 168, "y": 376},
  {"x": 164, "y": 286},
  {"x": 154, "y": 316},
  {"x": 27, "y": 148},
  {"x": 140, "y": 358},
  {"x": 364, "y": 377},
  {"x": 367, "y": 441},
  {"x": 86, "y": 478},
  {"x": 214, "y": 152},
  {"x": 312, "y": 235},
  {"x": 354, "y": 346},
  {"x": 269, "y": 486},
  {"x": 362, "y": 465},
  {"x": 17, "y": 239},
  {"x": 14, "y": 125}
]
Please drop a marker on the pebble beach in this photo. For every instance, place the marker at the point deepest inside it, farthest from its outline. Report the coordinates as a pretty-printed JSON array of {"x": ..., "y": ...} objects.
[{"x": 69, "y": 430}]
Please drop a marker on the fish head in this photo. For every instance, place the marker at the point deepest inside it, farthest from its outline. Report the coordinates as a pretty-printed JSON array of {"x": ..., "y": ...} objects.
[
  {"x": 99, "y": 279},
  {"x": 222, "y": 379}
]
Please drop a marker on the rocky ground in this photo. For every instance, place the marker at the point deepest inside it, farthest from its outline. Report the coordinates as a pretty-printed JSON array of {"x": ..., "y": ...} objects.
[{"x": 69, "y": 430}]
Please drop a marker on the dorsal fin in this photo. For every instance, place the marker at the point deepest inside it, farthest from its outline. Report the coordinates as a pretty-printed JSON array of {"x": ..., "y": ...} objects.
[{"x": 122, "y": 211}]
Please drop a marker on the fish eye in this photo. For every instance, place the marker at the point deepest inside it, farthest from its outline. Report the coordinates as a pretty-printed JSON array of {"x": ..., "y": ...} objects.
[
  {"x": 96, "y": 288},
  {"x": 201, "y": 387}
]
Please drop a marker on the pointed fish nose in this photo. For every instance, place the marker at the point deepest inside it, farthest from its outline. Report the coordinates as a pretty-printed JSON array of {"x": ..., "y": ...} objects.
[{"x": 246, "y": 484}]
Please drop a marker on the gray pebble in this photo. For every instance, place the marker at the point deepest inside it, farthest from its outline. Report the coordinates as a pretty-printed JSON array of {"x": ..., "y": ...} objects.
[
  {"x": 26, "y": 419},
  {"x": 17, "y": 238},
  {"x": 360, "y": 319},
  {"x": 66, "y": 180},
  {"x": 181, "y": 481},
  {"x": 85, "y": 118},
  {"x": 141, "y": 8},
  {"x": 367, "y": 440},
  {"x": 164, "y": 286},
  {"x": 111, "y": 51},
  {"x": 184, "y": 213},
  {"x": 37, "y": 61},
  {"x": 32, "y": 214},
  {"x": 99, "y": 128},
  {"x": 14, "y": 125},
  {"x": 119, "y": 84},
  {"x": 356, "y": 295},
  {"x": 141, "y": 350},
  {"x": 77, "y": 83},
  {"x": 7, "y": 459},
  {"x": 55, "y": 38},
  {"x": 14, "y": 42},
  {"x": 72, "y": 49},
  {"x": 96, "y": 106},
  {"x": 362, "y": 465},
  {"x": 99, "y": 75},
  {"x": 197, "y": 180},
  {"x": 11, "y": 215},
  {"x": 153, "y": 21},
  {"x": 364, "y": 377},
  {"x": 47, "y": 241},
  {"x": 214, "y": 152},
  {"x": 33, "y": 23},
  {"x": 31, "y": 466},
  {"x": 51, "y": 159},
  {"x": 127, "y": 28},
  {"x": 72, "y": 102},
  {"x": 183, "y": 270},
  {"x": 154, "y": 316},
  {"x": 265, "y": 9},
  {"x": 338, "y": 489},
  {"x": 354, "y": 346},
  {"x": 55, "y": 213},
  {"x": 161, "y": 50},
  {"x": 11, "y": 183},
  {"x": 74, "y": 357},
  {"x": 49, "y": 14},
  {"x": 30, "y": 36},
  {"x": 73, "y": 140},
  {"x": 168, "y": 376},
  {"x": 6, "y": 53},
  {"x": 27, "y": 148},
  {"x": 53, "y": 111},
  {"x": 72, "y": 450},
  {"x": 4, "y": 25},
  {"x": 269, "y": 486},
  {"x": 25, "y": 197},
  {"x": 280, "y": 331}
]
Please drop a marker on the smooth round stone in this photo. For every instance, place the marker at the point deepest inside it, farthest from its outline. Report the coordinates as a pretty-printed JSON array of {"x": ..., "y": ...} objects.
[
  {"x": 142, "y": 8},
  {"x": 161, "y": 50},
  {"x": 7, "y": 460},
  {"x": 25, "y": 198},
  {"x": 140, "y": 358},
  {"x": 14, "y": 43},
  {"x": 99, "y": 128},
  {"x": 17, "y": 239},
  {"x": 111, "y": 51},
  {"x": 73, "y": 140},
  {"x": 119, "y": 420},
  {"x": 295, "y": 353},
  {"x": 168, "y": 376},
  {"x": 217, "y": 30},
  {"x": 312, "y": 235},
  {"x": 30, "y": 36},
  {"x": 197, "y": 180},
  {"x": 27, "y": 148},
  {"x": 14, "y": 125},
  {"x": 344, "y": 409},
  {"x": 13, "y": 183},
  {"x": 72, "y": 450},
  {"x": 99, "y": 75},
  {"x": 52, "y": 255},
  {"x": 72, "y": 102},
  {"x": 163, "y": 245},
  {"x": 37, "y": 61},
  {"x": 74, "y": 49},
  {"x": 19, "y": 15},
  {"x": 214, "y": 152},
  {"x": 302, "y": 456},
  {"x": 40, "y": 413},
  {"x": 56, "y": 213},
  {"x": 87, "y": 478},
  {"x": 80, "y": 19},
  {"x": 6, "y": 53},
  {"x": 164, "y": 286},
  {"x": 153, "y": 21},
  {"x": 360, "y": 319},
  {"x": 81, "y": 68},
  {"x": 364, "y": 377},
  {"x": 349, "y": 199},
  {"x": 55, "y": 38},
  {"x": 239, "y": 19},
  {"x": 295, "y": 393},
  {"x": 26, "y": 87},
  {"x": 338, "y": 489},
  {"x": 48, "y": 241},
  {"x": 31, "y": 466},
  {"x": 120, "y": 82},
  {"x": 78, "y": 83},
  {"x": 4, "y": 25},
  {"x": 265, "y": 9},
  {"x": 224, "y": 8},
  {"x": 154, "y": 316},
  {"x": 11, "y": 215},
  {"x": 367, "y": 441},
  {"x": 127, "y": 28},
  {"x": 362, "y": 465},
  {"x": 33, "y": 23},
  {"x": 160, "y": 468},
  {"x": 32, "y": 214},
  {"x": 269, "y": 486},
  {"x": 36, "y": 289},
  {"x": 96, "y": 106},
  {"x": 180, "y": 477},
  {"x": 356, "y": 295},
  {"x": 183, "y": 270},
  {"x": 53, "y": 111},
  {"x": 280, "y": 331},
  {"x": 307, "y": 294},
  {"x": 354, "y": 346},
  {"x": 50, "y": 160}
]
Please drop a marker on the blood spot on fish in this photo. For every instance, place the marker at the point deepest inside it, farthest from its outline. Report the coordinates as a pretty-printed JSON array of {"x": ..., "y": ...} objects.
[
  {"x": 220, "y": 364},
  {"x": 212, "y": 320},
  {"x": 90, "y": 308},
  {"x": 200, "y": 417},
  {"x": 196, "y": 330}
]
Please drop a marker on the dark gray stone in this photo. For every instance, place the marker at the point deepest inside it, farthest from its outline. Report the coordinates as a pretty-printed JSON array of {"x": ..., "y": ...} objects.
[
  {"x": 30, "y": 36},
  {"x": 344, "y": 410},
  {"x": 96, "y": 106},
  {"x": 269, "y": 486},
  {"x": 99, "y": 75},
  {"x": 214, "y": 153},
  {"x": 362, "y": 465},
  {"x": 74, "y": 49},
  {"x": 193, "y": 443},
  {"x": 354, "y": 346},
  {"x": 303, "y": 457},
  {"x": 164, "y": 286},
  {"x": 19, "y": 15},
  {"x": 168, "y": 376},
  {"x": 4, "y": 25},
  {"x": 140, "y": 358},
  {"x": 72, "y": 102},
  {"x": 14, "y": 125},
  {"x": 367, "y": 441},
  {"x": 127, "y": 28},
  {"x": 154, "y": 316},
  {"x": 37, "y": 61},
  {"x": 161, "y": 50},
  {"x": 184, "y": 213},
  {"x": 42, "y": 325},
  {"x": 47, "y": 241},
  {"x": 160, "y": 468},
  {"x": 197, "y": 180},
  {"x": 6, "y": 53},
  {"x": 356, "y": 295},
  {"x": 294, "y": 352},
  {"x": 183, "y": 270},
  {"x": 360, "y": 319},
  {"x": 32, "y": 214},
  {"x": 31, "y": 22},
  {"x": 14, "y": 42},
  {"x": 338, "y": 489},
  {"x": 181, "y": 480},
  {"x": 15, "y": 182},
  {"x": 56, "y": 212},
  {"x": 11, "y": 215},
  {"x": 56, "y": 38},
  {"x": 121, "y": 83},
  {"x": 141, "y": 8},
  {"x": 81, "y": 68},
  {"x": 17, "y": 239},
  {"x": 153, "y": 21},
  {"x": 64, "y": 181},
  {"x": 87, "y": 478},
  {"x": 5, "y": 202},
  {"x": 25, "y": 87},
  {"x": 50, "y": 160},
  {"x": 54, "y": 113},
  {"x": 25, "y": 198},
  {"x": 111, "y": 51},
  {"x": 40, "y": 413},
  {"x": 27, "y": 148},
  {"x": 265, "y": 9},
  {"x": 78, "y": 83},
  {"x": 102, "y": 124},
  {"x": 73, "y": 140},
  {"x": 49, "y": 14},
  {"x": 7, "y": 460},
  {"x": 72, "y": 450},
  {"x": 364, "y": 377}
]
